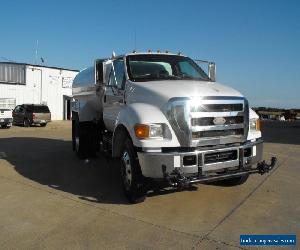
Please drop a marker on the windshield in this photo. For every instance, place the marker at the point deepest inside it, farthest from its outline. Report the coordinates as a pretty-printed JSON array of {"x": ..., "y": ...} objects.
[
  {"x": 163, "y": 67},
  {"x": 37, "y": 109}
]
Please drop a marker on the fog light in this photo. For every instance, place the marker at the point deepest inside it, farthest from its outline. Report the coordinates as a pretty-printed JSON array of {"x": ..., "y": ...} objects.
[{"x": 189, "y": 160}]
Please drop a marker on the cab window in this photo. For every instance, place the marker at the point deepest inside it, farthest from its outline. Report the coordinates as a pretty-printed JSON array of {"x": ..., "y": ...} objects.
[{"x": 119, "y": 73}]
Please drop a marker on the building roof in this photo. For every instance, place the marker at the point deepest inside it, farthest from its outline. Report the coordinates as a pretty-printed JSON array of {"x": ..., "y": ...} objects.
[{"x": 38, "y": 65}]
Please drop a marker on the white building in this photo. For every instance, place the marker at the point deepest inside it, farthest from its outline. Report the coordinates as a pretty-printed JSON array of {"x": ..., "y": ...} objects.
[{"x": 38, "y": 84}]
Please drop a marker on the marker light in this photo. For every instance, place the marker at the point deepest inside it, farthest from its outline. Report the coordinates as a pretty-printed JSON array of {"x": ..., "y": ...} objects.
[
  {"x": 151, "y": 131},
  {"x": 258, "y": 124},
  {"x": 141, "y": 131},
  {"x": 255, "y": 124}
]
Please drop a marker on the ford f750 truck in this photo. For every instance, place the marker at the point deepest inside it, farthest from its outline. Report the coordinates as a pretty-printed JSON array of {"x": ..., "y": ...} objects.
[{"x": 164, "y": 118}]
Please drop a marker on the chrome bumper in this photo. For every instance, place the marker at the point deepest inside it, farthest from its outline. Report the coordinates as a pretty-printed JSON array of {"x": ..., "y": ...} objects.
[
  {"x": 5, "y": 121},
  {"x": 208, "y": 161}
]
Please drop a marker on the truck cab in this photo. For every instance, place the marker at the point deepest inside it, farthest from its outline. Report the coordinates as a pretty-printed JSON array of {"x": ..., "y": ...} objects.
[{"x": 165, "y": 118}]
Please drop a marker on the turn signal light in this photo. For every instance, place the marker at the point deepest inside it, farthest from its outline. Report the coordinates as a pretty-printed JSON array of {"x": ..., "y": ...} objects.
[
  {"x": 141, "y": 131},
  {"x": 258, "y": 124}
]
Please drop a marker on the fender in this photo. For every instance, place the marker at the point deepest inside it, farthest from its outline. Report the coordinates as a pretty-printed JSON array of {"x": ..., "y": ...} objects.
[{"x": 143, "y": 113}]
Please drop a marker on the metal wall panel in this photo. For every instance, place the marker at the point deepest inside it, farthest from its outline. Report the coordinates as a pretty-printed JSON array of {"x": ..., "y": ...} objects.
[
  {"x": 12, "y": 73},
  {"x": 43, "y": 85}
]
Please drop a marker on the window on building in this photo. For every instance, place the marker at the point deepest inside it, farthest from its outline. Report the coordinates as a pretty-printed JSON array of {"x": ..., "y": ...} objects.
[{"x": 12, "y": 73}]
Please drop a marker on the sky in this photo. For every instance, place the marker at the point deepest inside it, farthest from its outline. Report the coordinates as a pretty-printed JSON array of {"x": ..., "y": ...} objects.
[{"x": 255, "y": 44}]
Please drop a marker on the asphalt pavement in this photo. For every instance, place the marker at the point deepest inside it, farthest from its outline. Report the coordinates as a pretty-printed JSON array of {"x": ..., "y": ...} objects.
[{"x": 49, "y": 199}]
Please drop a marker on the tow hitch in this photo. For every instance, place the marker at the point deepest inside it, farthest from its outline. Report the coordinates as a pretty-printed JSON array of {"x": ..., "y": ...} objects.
[
  {"x": 263, "y": 167},
  {"x": 177, "y": 178}
]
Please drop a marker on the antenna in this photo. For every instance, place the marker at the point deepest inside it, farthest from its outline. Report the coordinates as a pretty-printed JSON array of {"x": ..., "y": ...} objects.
[
  {"x": 134, "y": 38},
  {"x": 36, "y": 51}
]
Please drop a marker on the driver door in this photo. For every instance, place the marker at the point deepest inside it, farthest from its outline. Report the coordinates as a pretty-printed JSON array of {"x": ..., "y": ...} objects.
[{"x": 113, "y": 99}]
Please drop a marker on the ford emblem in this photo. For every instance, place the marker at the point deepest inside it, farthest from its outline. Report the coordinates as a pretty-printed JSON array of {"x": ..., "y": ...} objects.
[{"x": 219, "y": 120}]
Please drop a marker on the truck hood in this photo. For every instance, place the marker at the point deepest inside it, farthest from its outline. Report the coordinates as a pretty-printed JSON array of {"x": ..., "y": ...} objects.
[{"x": 159, "y": 92}]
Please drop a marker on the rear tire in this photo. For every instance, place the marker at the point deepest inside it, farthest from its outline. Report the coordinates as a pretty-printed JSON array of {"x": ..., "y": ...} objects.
[
  {"x": 80, "y": 142},
  {"x": 132, "y": 179},
  {"x": 84, "y": 139},
  {"x": 43, "y": 124}
]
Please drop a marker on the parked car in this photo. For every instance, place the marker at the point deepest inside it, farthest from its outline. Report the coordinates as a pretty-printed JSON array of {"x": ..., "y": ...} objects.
[
  {"x": 31, "y": 114},
  {"x": 6, "y": 107}
]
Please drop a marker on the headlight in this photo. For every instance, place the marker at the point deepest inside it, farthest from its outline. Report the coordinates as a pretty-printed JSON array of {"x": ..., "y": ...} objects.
[
  {"x": 254, "y": 124},
  {"x": 145, "y": 131}
]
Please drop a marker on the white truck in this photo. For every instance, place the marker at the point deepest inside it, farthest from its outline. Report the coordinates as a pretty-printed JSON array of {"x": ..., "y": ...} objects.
[
  {"x": 165, "y": 119},
  {"x": 6, "y": 107}
]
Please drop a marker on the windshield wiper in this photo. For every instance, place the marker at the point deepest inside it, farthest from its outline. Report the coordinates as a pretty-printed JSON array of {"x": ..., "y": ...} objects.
[{"x": 188, "y": 77}]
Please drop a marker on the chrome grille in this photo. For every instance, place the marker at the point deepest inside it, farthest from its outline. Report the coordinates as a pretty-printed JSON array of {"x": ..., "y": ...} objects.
[
  {"x": 216, "y": 133},
  {"x": 203, "y": 121},
  {"x": 218, "y": 108},
  {"x": 207, "y": 121}
]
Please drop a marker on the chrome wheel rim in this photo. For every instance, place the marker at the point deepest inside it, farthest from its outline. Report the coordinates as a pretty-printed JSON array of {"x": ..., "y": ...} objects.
[{"x": 126, "y": 170}]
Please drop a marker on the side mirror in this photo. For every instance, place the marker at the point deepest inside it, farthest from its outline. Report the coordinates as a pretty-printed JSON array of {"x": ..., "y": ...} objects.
[
  {"x": 99, "y": 71},
  {"x": 212, "y": 71}
]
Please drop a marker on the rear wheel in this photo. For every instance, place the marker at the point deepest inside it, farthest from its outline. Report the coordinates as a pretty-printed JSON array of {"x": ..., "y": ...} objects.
[
  {"x": 132, "y": 179},
  {"x": 43, "y": 124},
  {"x": 79, "y": 141},
  {"x": 26, "y": 123},
  {"x": 85, "y": 139}
]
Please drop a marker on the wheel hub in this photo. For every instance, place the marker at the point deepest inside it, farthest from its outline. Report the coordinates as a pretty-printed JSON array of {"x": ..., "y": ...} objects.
[{"x": 126, "y": 170}]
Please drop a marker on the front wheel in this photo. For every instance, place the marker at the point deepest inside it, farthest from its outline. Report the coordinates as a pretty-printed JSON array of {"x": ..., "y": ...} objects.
[
  {"x": 234, "y": 181},
  {"x": 43, "y": 124},
  {"x": 132, "y": 179}
]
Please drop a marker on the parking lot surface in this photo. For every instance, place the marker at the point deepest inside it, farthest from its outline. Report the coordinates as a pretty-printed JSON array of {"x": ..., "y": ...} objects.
[{"x": 49, "y": 199}]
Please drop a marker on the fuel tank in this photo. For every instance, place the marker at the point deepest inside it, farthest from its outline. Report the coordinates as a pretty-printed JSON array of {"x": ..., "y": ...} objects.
[{"x": 88, "y": 95}]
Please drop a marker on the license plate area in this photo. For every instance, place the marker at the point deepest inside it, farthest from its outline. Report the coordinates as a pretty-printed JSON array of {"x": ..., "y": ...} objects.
[{"x": 221, "y": 156}]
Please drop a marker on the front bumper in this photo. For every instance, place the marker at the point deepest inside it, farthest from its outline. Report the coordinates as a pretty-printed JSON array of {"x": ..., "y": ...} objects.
[
  {"x": 207, "y": 161},
  {"x": 5, "y": 121}
]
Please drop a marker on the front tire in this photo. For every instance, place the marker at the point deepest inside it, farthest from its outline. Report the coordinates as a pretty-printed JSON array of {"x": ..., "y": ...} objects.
[
  {"x": 132, "y": 179},
  {"x": 234, "y": 181}
]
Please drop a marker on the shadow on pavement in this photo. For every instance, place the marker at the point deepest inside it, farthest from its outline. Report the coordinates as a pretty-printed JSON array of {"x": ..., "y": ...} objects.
[
  {"x": 284, "y": 132},
  {"x": 52, "y": 162}
]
